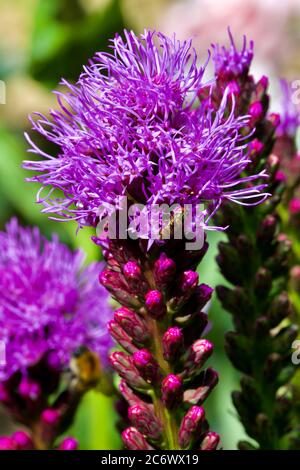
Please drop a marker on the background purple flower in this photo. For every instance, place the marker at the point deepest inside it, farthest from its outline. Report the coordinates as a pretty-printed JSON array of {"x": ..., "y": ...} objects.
[
  {"x": 130, "y": 127},
  {"x": 49, "y": 302}
]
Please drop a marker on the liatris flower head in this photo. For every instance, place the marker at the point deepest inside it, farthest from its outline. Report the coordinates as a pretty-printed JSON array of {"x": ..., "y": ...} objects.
[
  {"x": 230, "y": 63},
  {"x": 50, "y": 304},
  {"x": 133, "y": 126}
]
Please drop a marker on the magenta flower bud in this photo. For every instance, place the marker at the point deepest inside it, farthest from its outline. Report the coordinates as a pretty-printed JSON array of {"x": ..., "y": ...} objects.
[
  {"x": 22, "y": 440},
  {"x": 172, "y": 343},
  {"x": 274, "y": 119},
  {"x": 155, "y": 305},
  {"x": 172, "y": 391},
  {"x": 146, "y": 365},
  {"x": 111, "y": 279},
  {"x": 164, "y": 270},
  {"x": 121, "y": 336},
  {"x": 203, "y": 293},
  {"x": 189, "y": 281},
  {"x": 200, "y": 351},
  {"x": 132, "y": 324},
  {"x": 294, "y": 206},
  {"x": 234, "y": 88},
  {"x": 123, "y": 364},
  {"x": 256, "y": 111},
  {"x": 134, "y": 440},
  {"x": 29, "y": 389},
  {"x": 7, "y": 443},
  {"x": 210, "y": 441},
  {"x": 50, "y": 417},
  {"x": 132, "y": 271},
  {"x": 144, "y": 420},
  {"x": 264, "y": 82},
  {"x": 256, "y": 147},
  {"x": 114, "y": 282},
  {"x": 69, "y": 443},
  {"x": 191, "y": 426}
]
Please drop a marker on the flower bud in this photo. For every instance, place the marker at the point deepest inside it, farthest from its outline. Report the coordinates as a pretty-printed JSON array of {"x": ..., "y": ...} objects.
[
  {"x": 50, "y": 417},
  {"x": 22, "y": 440},
  {"x": 267, "y": 230},
  {"x": 189, "y": 281},
  {"x": 207, "y": 379},
  {"x": 134, "y": 440},
  {"x": 133, "y": 275},
  {"x": 210, "y": 441},
  {"x": 120, "y": 336},
  {"x": 200, "y": 351},
  {"x": 191, "y": 426},
  {"x": 256, "y": 111},
  {"x": 29, "y": 389},
  {"x": 114, "y": 282},
  {"x": 132, "y": 271},
  {"x": 69, "y": 443},
  {"x": 145, "y": 421},
  {"x": 172, "y": 343},
  {"x": 132, "y": 324},
  {"x": 146, "y": 365},
  {"x": 155, "y": 304},
  {"x": 164, "y": 270},
  {"x": 123, "y": 364},
  {"x": 172, "y": 391},
  {"x": 7, "y": 443}
]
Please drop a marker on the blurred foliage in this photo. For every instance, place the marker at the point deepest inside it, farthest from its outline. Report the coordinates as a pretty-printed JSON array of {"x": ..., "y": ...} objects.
[
  {"x": 42, "y": 41},
  {"x": 65, "y": 35}
]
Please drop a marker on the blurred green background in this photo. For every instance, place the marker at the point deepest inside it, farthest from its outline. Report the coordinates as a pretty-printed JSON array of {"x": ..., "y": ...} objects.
[{"x": 41, "y": 42}]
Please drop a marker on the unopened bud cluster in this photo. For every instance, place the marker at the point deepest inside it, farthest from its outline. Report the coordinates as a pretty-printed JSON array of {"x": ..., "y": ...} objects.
[{"x": 159, "y": 327}]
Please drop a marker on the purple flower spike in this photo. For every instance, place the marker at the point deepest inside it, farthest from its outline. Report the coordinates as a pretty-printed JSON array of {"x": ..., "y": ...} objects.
[
  {"x": 173, "y": 342},
  {"x": 145, "y": 421},
  {"x": 146, "y": 364},
  {"x": 155, "y": 304},
  {"x": 49, "y": 304},
  {"x": 134, "y": 440},
  {"x": 172, "y": 391},
  {"x": 69, "y": 443},
  {"x": 191, "y": 426},
  {"x": 210, "y": 441}
]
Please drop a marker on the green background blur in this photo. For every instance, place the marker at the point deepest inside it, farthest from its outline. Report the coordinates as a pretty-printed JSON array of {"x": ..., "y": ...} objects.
[{"x": 42, "y": 41}]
